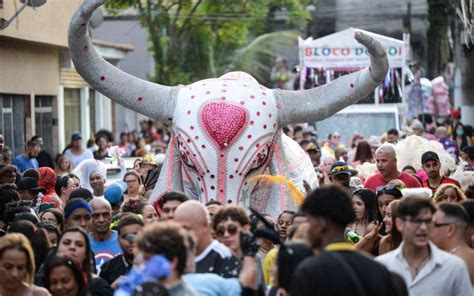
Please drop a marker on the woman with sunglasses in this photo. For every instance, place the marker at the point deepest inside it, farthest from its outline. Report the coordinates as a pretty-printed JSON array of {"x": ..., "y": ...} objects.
[
  {"x": 448, "y": 193},
  {"x": 228, "y": 223},
  {"x": 135, "y": 187},
  {"x": 386, "y": 194}
]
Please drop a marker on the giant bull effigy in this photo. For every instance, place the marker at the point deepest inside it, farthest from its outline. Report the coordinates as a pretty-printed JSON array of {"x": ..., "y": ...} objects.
[{"x": 226, "y": 130}]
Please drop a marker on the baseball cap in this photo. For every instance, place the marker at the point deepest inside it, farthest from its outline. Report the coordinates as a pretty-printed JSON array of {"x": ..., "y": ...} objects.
[
  {"x": 76, "y": 136},
  {"x": 312, "y": 147},
  {"x": 113, "y": 193},
  {"x": 339, "y": 168},
  {"x": 31, "y": 184},
  {"x": 429, "y": 155}
]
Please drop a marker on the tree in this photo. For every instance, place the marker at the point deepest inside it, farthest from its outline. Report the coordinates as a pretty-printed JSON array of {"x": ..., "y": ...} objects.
[
  {"x": 195, "y": 39},
  {"x": 439, "y": 16}
]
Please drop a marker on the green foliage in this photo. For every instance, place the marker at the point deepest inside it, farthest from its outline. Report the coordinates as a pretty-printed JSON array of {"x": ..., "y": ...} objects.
[{"x": 196, "y": 39}]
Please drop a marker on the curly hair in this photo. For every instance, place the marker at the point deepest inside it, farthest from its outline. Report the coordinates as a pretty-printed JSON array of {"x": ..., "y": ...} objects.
[
  {"x": 167, "y": 238},
  {"x": 438, "y": 196},
  {"x": 233, "y": 213}
]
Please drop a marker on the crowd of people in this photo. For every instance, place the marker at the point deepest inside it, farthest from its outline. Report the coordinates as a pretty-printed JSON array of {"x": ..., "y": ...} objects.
[{"x": 66, "y": 231}]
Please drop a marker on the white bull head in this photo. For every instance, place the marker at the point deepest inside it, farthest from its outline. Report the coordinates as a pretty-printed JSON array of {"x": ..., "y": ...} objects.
[{"x": 225, "y": 130}]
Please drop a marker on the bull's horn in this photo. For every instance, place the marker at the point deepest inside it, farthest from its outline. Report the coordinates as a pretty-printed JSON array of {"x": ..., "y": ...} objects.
[
  {"x": 321, "y": 102},
  {"x": 154, "y": 100}
]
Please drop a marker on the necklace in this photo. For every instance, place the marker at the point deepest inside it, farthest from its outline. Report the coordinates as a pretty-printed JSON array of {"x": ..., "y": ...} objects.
[
  {"x": 419, "y": 264},
  {"x": 455, "y": 249}
]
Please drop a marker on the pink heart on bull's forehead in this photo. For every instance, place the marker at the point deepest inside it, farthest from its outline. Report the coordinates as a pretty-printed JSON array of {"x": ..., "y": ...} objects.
[{"x": 223, "y": 121}]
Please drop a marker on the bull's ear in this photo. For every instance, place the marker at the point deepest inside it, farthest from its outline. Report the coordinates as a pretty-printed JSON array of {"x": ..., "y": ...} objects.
[
  {"x": 154, "y": 100},
  {"x": 321, "y": 102}
]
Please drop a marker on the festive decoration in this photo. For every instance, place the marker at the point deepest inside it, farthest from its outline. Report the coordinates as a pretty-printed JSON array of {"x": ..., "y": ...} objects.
[{"x": 226, "y": 127}]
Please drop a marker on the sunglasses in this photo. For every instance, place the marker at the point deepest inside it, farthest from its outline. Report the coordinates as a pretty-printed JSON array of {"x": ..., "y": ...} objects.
[
  {"x": 232, "y": 230},
  {"x": 388, "y": 188},
  {"x": 342, "y": 168}
]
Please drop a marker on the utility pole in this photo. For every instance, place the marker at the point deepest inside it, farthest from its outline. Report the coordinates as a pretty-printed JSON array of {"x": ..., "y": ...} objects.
[{"x": 464, "y": 58}]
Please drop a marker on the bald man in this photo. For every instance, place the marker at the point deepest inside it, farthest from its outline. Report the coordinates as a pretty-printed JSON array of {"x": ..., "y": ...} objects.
[
  {"x": 211, "y": 255},
  {"x": 386, "y": 160},
  {"x": 104, "y": 241}
]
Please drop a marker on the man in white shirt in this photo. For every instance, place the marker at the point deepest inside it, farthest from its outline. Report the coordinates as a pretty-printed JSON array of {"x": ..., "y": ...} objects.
[{"x": 426, "y": 269}]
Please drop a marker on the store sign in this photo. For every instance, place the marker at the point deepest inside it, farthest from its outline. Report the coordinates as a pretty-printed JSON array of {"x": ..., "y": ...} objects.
[{"x": 342, "y": 57}]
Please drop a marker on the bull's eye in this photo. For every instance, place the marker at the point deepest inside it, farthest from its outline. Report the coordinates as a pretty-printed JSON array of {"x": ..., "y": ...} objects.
[
  {"x": 262, "y": 158},
  {"x": 185, "y": 158}
]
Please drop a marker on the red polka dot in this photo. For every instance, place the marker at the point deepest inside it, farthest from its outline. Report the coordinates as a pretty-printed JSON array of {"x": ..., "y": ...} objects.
[
  {"x": 188, "y": 140},
  {"x": 269, "y": 115},
  {"x": 279, "y": 106},
  {"x": 264, "y": 126},
  {"x": 257, "y": 145},
  {"x": 251, "y": 122},
  {"x": 194, "y": 154},
  {"x": 192, "y": 97},
  {"x": 188, "y": 153},
  {"x": 212, "y": 176},
  {"x": 189, "y": 112},
  {"x": 191, "y": 127},
  {"x": 102, "y": 78},
  {"x": 236, "y": 171},
  {"x": 241, "y": 148},
  {"x": 202, "y": 189},
  {"x": 236, "y": 159},
  {"x": 170, "y": 119},
  {"x": 199, "y": 179},
  {"x": 229, "y": 201},
  {"x": 240, "y": 174},
  {"x": 222, "y": 155},
  {"x": 249, "y": 137},
  {"x": 203, "y": 146},
  {"x": 139, "y": 99},
  {"x": 242, "y": 103},
  {"x": 221, "y": 190},
  {"x": 352, "y": 85},
  {"x": 86, "y": 48},
  {"x": 212, "y": 187},
  {"x": 245, "y": 183},
  {"x": 223, "y": 98},
  {"x": 196, "y": 137},
  {"x": 252, "y": 97},
  {"x": 231, "y": 176},
  {"x": 264, "y": 103},
  {"x": 258, "y": 113}
]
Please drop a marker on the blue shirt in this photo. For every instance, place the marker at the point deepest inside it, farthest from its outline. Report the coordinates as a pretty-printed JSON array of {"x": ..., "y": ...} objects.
[
  {"x": 210, "y": 284},
  {"x": 106, "y": 250},
  {"x": 23, "y": 163}
]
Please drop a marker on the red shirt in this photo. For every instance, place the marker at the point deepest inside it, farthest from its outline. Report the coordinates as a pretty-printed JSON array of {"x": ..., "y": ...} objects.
[
  {"x": 377, "y": 180},
  {"x": 444, "y": 180}
]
